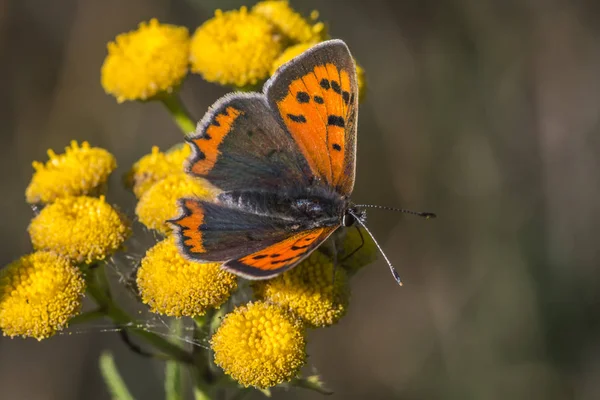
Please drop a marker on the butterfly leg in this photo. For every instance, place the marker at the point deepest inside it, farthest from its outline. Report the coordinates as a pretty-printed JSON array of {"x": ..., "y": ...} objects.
[
  {"x": 124, "y": 335},
  {"x": 334, "y": 260},
  {"x": 362, "y": 243}
]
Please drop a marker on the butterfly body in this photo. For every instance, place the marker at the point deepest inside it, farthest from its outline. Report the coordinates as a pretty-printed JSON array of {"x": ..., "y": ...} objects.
[
  {"x": 284, "y": 163},
  {"x": 308, "y": 208}
]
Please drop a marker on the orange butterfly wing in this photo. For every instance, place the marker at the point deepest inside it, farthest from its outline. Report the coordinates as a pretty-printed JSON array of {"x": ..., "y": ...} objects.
[
  {"x": 279, "y": 257},
  {"x": 316, "y": 95}
]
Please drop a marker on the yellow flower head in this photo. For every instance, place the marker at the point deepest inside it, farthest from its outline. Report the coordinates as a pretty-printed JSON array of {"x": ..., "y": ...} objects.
[
  {"x": 354, "y": 254},
  {"x": 146, "y": 62},
  {"x": 235, "y": 48},
  {"x": 159, "y": 203},
  {"x": 260, "y": 345},
  {"x": 289, "y": 22},
  {"x": 84, "y": 229},
  {"x": 174, "y": 286},
  {"x": 156, "y": 166},
  {"x": 39, "y": 293},
  {"x": 296, "y": 50},
  {"x": 309, "y": 291},
  {"x": 361, "y": 79},
  {"x": 81, "y": 170},
  {"x": 290, "y": 53}
]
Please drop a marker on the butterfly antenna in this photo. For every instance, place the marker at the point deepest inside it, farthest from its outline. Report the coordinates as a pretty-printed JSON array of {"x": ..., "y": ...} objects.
[
  {"x": 426, "y": 215},
  {"x": 392, "y": 269}
]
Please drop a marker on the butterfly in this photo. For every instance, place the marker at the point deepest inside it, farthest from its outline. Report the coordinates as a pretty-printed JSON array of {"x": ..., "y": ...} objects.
[{"x": 284, "y": 162}]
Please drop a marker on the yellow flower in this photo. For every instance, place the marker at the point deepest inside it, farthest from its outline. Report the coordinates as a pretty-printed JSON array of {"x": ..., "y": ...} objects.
[
  {"x": 143, "y": 63},
  {"x": 159, "y": 203},
  {"x": 289, "y": 22},
  {"x": 298, "y": 49},
  {"x": 156, "y": 166},
  {"x": 309, "y": 291},
  {"x": 260, "y": 345},
  {"x": 39, "y": 293},
  {"x": 81, "y": 170},
  {"x": 84, "y": 229},
  {"x": 174, "y": 286},
  {"x": 290, "y": 53},
  {"x": 235, "y": 48},
  {"x": 354, "y": 254},
  {"x": 361, "y": 79}
]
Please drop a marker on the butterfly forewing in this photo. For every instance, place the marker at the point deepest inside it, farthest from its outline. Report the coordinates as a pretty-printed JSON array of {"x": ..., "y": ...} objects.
[
  {"x": 316, "y": 97},
  {"x": 239, "y": 144}
]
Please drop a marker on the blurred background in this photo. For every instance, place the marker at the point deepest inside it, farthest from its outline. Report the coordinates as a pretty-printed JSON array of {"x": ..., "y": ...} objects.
[{"x": 486, "y": 112}]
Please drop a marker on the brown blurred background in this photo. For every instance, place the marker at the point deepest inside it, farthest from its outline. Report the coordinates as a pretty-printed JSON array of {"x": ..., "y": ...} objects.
[{"x": 486, "y": 112}]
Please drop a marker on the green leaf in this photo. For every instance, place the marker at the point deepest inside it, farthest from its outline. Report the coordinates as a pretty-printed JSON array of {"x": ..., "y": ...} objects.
[
  {"x": 112, "y": 378},
  {"x": 173, "y": 385}
]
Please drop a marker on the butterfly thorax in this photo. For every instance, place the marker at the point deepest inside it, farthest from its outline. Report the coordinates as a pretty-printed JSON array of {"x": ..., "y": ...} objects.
[{"x": 307, "y": 207}]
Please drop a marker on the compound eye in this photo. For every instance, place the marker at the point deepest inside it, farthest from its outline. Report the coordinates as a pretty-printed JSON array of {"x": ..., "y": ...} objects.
[{"x": 348, "y": 220}]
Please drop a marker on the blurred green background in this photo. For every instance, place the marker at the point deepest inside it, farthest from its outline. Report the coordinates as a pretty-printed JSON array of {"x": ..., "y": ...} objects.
[{"x": 486, "y": 112}]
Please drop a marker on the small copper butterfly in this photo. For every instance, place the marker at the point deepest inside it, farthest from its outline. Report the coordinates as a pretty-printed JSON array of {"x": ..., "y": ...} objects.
[{"x": 284, "y": 161}]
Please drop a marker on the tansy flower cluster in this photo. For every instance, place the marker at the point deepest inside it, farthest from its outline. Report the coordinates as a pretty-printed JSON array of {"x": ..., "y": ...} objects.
[
  {"x": 174, "y": 286},
  {"x": 146, "y": 62},
  {"x": 256, "y": 332},
  {"x": 41, "y": 291},
  {"x": 236, "y": 48}
]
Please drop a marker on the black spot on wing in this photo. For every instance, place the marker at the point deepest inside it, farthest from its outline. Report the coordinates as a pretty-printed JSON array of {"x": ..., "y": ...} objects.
[
  {"x": 297, "y": 118},
  {"x": 337, "y": 147},
  {"x": 275, "y": 255},
  {"x": 346, "y": 97},
  {"x": 319, "y": 100},
  {"x": 302, "y": 97},
  {"x": 275, "y": 262},
  {"x": 335, "y": 121},
  {"x": 336, "y": 87},
  {"x": 300, "y": 247},
  {"x": 325, "y": 84}
]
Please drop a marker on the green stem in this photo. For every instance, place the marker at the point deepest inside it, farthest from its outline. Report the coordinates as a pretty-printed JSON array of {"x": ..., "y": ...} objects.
[
  {"x": 200, "y": 393},
  {"x": 179, "y": 113},
  {"x": 87, "y": 316},
  {"x": 115, "y": 383},
  {"x": 173, "y": 381},
  {"x": 98, "y": 289},
  {"x": 201, "y": 374}
]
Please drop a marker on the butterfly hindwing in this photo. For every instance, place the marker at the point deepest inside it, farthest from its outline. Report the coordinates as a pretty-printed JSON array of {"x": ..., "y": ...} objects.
[
  {"x": 279, "y": 257},
  {"x": 316, "y": 98},
  {"x": 206, "y": 231},
  {"x": 239, "y": 144},
  {"x": 256, "y": 246}
]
